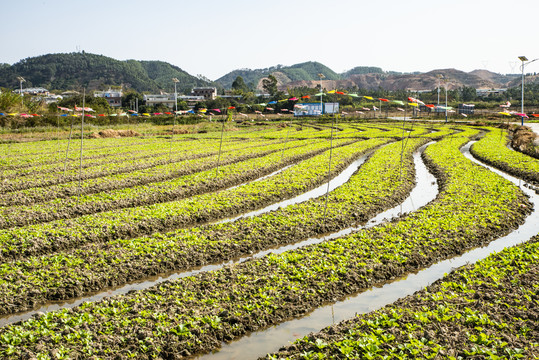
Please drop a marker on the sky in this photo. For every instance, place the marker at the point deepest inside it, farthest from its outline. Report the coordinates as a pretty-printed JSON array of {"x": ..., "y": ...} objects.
[{"x": 212, "y": 38}]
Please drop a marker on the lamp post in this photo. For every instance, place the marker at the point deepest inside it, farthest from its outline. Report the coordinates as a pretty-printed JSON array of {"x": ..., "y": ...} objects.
[
  {"x": 321, "y": 76},
  {"x": 445, "y": 100},
  {"x": 439, "y": 77},
  {"x": 21, "y": 80},
  {"x": 176, "y": 81},
  {"x": 525, "y": 61}
]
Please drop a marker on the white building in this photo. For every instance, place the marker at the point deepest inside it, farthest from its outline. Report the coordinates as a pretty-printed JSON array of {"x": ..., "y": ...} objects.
[{"x": 113, "y": 97}]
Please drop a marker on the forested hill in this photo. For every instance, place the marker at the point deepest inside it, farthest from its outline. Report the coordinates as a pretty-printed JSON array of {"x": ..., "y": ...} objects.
[
  {"x": 300, "y": 72},
  {"x": 96, "y": 72}
]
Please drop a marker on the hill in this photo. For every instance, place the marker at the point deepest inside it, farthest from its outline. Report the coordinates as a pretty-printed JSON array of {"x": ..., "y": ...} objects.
[
  {"x": 504, "y": 80},
  {"x": 395, "y": 81},
  {"x": 95, "y": 72},
  {"x": 306, "y": 71}
]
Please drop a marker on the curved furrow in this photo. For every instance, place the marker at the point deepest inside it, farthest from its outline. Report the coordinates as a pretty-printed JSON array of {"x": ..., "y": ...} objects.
[
  {"x": 193, "y": 314},
  {"x": 491, "y": 297},
  {"x": 493, "y": 150},
  {"x": 373, "y": 188},
  {"x": 191, "y": 152},
  {"x": 159, "y": 192},
  {"x": 160, "y": 153},
  {"x": 143, "y": 220},
  {"x": 139, "y": 177}
]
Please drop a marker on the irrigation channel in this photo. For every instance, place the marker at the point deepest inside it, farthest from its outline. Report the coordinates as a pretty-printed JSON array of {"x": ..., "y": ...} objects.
[
  {"x": 260, "y": 343},
  {"x": 334, "y": 183}
]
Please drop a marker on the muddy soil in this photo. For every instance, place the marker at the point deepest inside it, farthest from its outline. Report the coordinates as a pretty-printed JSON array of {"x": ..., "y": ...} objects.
[{"x": 480, "y": 310}]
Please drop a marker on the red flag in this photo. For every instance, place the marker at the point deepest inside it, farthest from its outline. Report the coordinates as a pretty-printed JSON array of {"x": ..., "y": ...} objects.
[
  {"x": 231, "y": 107},
  {"x": 384, "y": 100}
]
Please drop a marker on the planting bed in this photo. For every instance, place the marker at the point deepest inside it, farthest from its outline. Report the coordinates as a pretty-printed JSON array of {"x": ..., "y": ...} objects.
[
  {"x": 173, "y": 189},
  {"x": 493, "y": 149},
  {"x": 380, "y": 183},
  {"x": 110, "y": 245},
  {"x": 126, "y": 223},
  {"x": 487, "y": 310}
]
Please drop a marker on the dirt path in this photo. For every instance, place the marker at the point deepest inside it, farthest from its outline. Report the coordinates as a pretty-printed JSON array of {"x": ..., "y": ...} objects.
[{"x": 534, "y": 127}]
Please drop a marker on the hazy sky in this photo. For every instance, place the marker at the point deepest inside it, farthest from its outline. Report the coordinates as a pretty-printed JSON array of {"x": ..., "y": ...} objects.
[{"x": 212, "y": 38}]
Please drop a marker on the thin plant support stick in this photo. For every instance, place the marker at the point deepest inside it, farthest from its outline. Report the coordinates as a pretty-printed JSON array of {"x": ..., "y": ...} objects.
[
  {"x": 81, "y": 142},
  {"x": 285, "y": 141},
  {"x": 58, "y": 136},
  {"x": 172, "y": 139},
  {"x": 220, "y": 146},
  {"x": 402, "y": 153},
  {"x": 68, "y": 143},
  {"x": 329, "y": 165}
]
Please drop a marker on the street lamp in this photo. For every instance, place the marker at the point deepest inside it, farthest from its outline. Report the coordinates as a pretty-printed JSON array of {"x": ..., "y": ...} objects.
[
  {"x": 176, "y": 81},
  {"x": 21, "y": 80},
  {"x": 321, "y": 76},
  {"x": 439, "y": 77},
  {"x": 445, "y": 80},
  {"x": 525, "y": 61}
]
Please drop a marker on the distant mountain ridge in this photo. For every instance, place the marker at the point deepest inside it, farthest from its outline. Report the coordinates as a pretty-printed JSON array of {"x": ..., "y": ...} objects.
[
  {"x": 96, "y": 72},
  {"x": 368, "y": 77},
  {"x": 285, "y": 74}
]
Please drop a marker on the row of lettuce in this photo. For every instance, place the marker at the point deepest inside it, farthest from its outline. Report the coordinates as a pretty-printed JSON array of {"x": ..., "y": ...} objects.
[
  {"x": 493, "y": 150},
  {"x": 231, "y": 172},
  {"x": 44, "y": 154},
  {"x": 381, "y": 182},
  {"x": 183, "y": 151},
  {"x": 159, "y": 155},
  {"x": 484, "y": 310},
  {"x": 487, "y": 310},
  {"x": 126, "y": 223},
  {"x": 196, "y": 313}
]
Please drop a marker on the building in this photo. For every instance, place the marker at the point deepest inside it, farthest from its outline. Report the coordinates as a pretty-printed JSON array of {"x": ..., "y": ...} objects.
[
  {"x": 113, "y": 97},
  {"x": 209, "y": 93},
  {"x": 166, "y": 99},
  {"x": 315, "y": 109},
  {"x": 191, "y": 99},
  {"x": 467, "y": 109},
  {"x": 69, "y": 93},
  {"x": 488, "y": 92},
  {"x": 33, "y": 91}
]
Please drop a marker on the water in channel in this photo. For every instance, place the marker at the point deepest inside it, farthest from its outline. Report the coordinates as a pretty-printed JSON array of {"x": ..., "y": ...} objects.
[
  {"x": 321, "y": 190},
  {"x": 260, "y": 343},
  {"x": 339, "y": 180},
  {"x": 426, "y": 190}
]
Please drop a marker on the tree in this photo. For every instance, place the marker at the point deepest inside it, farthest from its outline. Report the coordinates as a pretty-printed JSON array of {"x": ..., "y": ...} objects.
[
  {"x": 468, "y": 93},
  {"x": 270, "y": 85},
  {"x": 239, "y": 85}
]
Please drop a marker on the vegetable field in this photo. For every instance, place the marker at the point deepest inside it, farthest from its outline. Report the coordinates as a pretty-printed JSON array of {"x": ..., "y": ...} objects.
[{"x": 170, "y": 248}]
